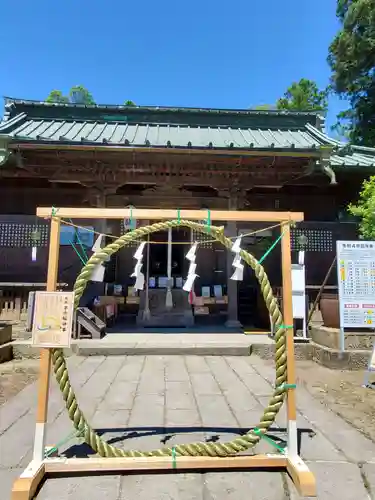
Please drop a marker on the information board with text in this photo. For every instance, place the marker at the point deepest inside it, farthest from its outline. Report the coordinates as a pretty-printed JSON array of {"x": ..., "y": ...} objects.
[
  {"x": 356, "y": 282},
  {"x": 53, "y": 319}
]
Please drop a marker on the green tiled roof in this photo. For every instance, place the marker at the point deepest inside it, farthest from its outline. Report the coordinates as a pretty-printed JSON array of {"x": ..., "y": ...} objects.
[{"x": 180, "y": 128}]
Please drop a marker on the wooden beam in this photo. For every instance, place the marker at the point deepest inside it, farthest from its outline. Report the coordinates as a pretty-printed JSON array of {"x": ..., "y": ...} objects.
[
  {"x": 24, "y": 488},
  {"x": 303, "y": 478},
  {"x": 98, "y": 464},
  {"x": 160, "y": 214}
]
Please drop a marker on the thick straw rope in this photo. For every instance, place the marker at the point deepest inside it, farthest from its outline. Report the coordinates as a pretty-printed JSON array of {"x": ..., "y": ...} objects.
[{"x": 238, "y": 444}]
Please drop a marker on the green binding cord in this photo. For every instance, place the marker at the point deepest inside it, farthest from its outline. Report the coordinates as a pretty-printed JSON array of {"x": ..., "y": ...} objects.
[
  {"x": 53, "y": 211},
  {"x": 179, "y": 216},
  {"x": 70, "y": 436},
  {"x": 287, "y": 327},
  {"x": 80, "y": 242},
  {"x": 208, "y": 220},
  {"x": 272, "y": 247},
  {"x": 84, "y": 262},
  {"x": 259, "y": 433},
  {"x": 174, "y": 458},
  {"x": 287, "y": 386}
]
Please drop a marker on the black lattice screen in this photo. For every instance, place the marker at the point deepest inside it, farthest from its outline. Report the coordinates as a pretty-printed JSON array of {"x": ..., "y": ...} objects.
[
  {"x": 312, "y": 240},
  {"x": 20, "y": 235}
]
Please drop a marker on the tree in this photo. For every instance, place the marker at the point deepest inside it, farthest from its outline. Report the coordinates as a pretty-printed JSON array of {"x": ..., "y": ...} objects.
[
  {"x": 57, "y": 96},
  {"x": 264, "y": 107},
  {"x": 352, "y": 60},
  {"x": 129, "y": 103},
  {"x": 77, "y": 95},
  {"x": 304, "y": 96},
  {"x": 365, "y": 209},
  {"x": 80, "y": 95}
]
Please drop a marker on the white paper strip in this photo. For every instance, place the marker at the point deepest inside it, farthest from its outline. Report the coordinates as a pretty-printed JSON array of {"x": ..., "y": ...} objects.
[
  {"x": 236, "y": 247},
  {"x": 301, "y": 257},
  {"x": 139, "y": 252},
  {"x": 191, "y": 253},
  {"x": 238, "y": 274},
  {"x": 33, "y": 254},
  {"x": 189, "y": 282},
  {"x": 237, "y": 261},
  {"x": 137, "y": 270},
  {"x": 192, "y": 268},
  {"x": 98, "y": 274},
  {"x": 140, "y": 282},
  {"x": 98, "y": 243}
]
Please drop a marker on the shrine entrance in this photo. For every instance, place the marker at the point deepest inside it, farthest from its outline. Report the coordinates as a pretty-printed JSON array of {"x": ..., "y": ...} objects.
[{"x": 163, "y": 303}]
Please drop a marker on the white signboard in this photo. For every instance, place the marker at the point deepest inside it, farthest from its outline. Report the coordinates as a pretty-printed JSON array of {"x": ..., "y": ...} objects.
[
  {"x": 356, "y": 280},
  {"x": 53, "y": 319}
]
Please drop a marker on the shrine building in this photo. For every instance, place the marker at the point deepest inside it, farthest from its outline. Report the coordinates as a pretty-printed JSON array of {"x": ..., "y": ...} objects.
[{"x": 55, "y": 154}]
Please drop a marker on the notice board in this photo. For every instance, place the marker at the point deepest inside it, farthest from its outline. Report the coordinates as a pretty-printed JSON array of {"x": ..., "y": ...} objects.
[{"x": 356, "y": 283}]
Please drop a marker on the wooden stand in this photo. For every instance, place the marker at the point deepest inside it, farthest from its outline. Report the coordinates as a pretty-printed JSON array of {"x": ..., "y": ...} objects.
[{"x": 26, "y": 485}]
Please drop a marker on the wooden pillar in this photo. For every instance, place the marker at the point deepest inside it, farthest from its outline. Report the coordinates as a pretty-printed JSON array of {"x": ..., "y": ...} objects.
[
  {"x": 286, "y": 259},
  {"x": 45, "y": 354},
  {"x": 235, "y": 201}
]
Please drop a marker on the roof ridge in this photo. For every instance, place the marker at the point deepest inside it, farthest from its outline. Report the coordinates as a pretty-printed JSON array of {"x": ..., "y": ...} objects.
[
  {"x": 5, "y": 124},
  {"x": 9, "y": 101}
]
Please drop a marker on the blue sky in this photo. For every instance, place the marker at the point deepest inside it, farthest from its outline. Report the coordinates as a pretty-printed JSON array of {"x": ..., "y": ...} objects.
[{"x": 199, "y": 53}]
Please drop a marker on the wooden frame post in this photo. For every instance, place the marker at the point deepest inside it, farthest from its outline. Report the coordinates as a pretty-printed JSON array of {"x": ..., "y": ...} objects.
[
  {"x": 25, "y": 487},
  {"x": 286, "y": 266}
]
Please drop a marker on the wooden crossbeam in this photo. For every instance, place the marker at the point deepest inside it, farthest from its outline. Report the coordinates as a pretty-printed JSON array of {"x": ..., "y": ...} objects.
[
  {"x": 25, "y": 487},
  {"x": 167, "y": 214}
]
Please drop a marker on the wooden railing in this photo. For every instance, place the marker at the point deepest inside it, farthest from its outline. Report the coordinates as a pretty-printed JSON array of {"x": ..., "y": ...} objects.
[{"x": 13, "y": 305}]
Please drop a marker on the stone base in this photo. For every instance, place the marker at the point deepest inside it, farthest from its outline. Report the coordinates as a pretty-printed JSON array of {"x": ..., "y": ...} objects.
[
  {"x": 330, "y": 337},
  {"x": 336, "y": 360}
]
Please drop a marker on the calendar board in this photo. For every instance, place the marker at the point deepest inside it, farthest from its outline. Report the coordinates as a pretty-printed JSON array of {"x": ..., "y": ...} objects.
[
  {"x": 53, "y": 319},
  {"x": 356, "y": 280}
]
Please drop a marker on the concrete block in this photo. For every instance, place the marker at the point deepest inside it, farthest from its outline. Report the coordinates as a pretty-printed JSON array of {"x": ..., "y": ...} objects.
[
  {"x": 162, "y": 487},
  {"x": 334, "y": 481},
  {"x": 101, "y": 486},
  {"x": 147, "y": 411},
  {"x": 334, "y": 359},
  {"x": 368, "y": 471},
  {"x": 215, "y": 412},
  {"x": 241, "y": 485},
  {"x": 196, "y": 364},
  {"x": 204, "y": 383},
  {"x": 120, "y": 396},
  {"x": 186, "y": 417},
  {"x": 7, "y": 478}
]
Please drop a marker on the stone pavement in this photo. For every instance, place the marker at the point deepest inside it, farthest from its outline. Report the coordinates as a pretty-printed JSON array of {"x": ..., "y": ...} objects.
[{"x": 146, "y": 402}]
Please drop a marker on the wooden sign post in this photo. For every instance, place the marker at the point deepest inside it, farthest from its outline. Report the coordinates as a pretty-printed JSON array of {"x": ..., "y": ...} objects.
[{"x": 25, "y": 487}]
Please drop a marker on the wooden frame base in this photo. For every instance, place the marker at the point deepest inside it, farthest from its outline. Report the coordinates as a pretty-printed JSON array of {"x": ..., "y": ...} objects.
[{"x": 26, "y": 485}]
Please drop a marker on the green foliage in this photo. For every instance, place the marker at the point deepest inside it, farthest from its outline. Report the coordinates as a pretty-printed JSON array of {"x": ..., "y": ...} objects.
[
  {"x": 57, "y": 96},
  {"x": 77, "y": 95},
  {"x": 365, "y": 209},
  {"x": 129, "y": 103},
  {"x": 265, "y": 107},
  {"x": 304, "y": 96},
  {"x": 352, "y": 60},
  {"x": 80, "y": 95}
]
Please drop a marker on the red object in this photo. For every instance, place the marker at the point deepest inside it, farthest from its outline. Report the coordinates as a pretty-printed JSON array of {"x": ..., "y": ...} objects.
[{"x": 191, "y": 297}]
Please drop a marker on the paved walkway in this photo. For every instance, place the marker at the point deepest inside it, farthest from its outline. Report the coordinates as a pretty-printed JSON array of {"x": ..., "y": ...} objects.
[{"x": 146, "y": 402}]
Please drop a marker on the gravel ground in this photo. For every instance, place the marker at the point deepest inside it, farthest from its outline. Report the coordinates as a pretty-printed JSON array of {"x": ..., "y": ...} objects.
[{"x": 15, "y": 375}]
